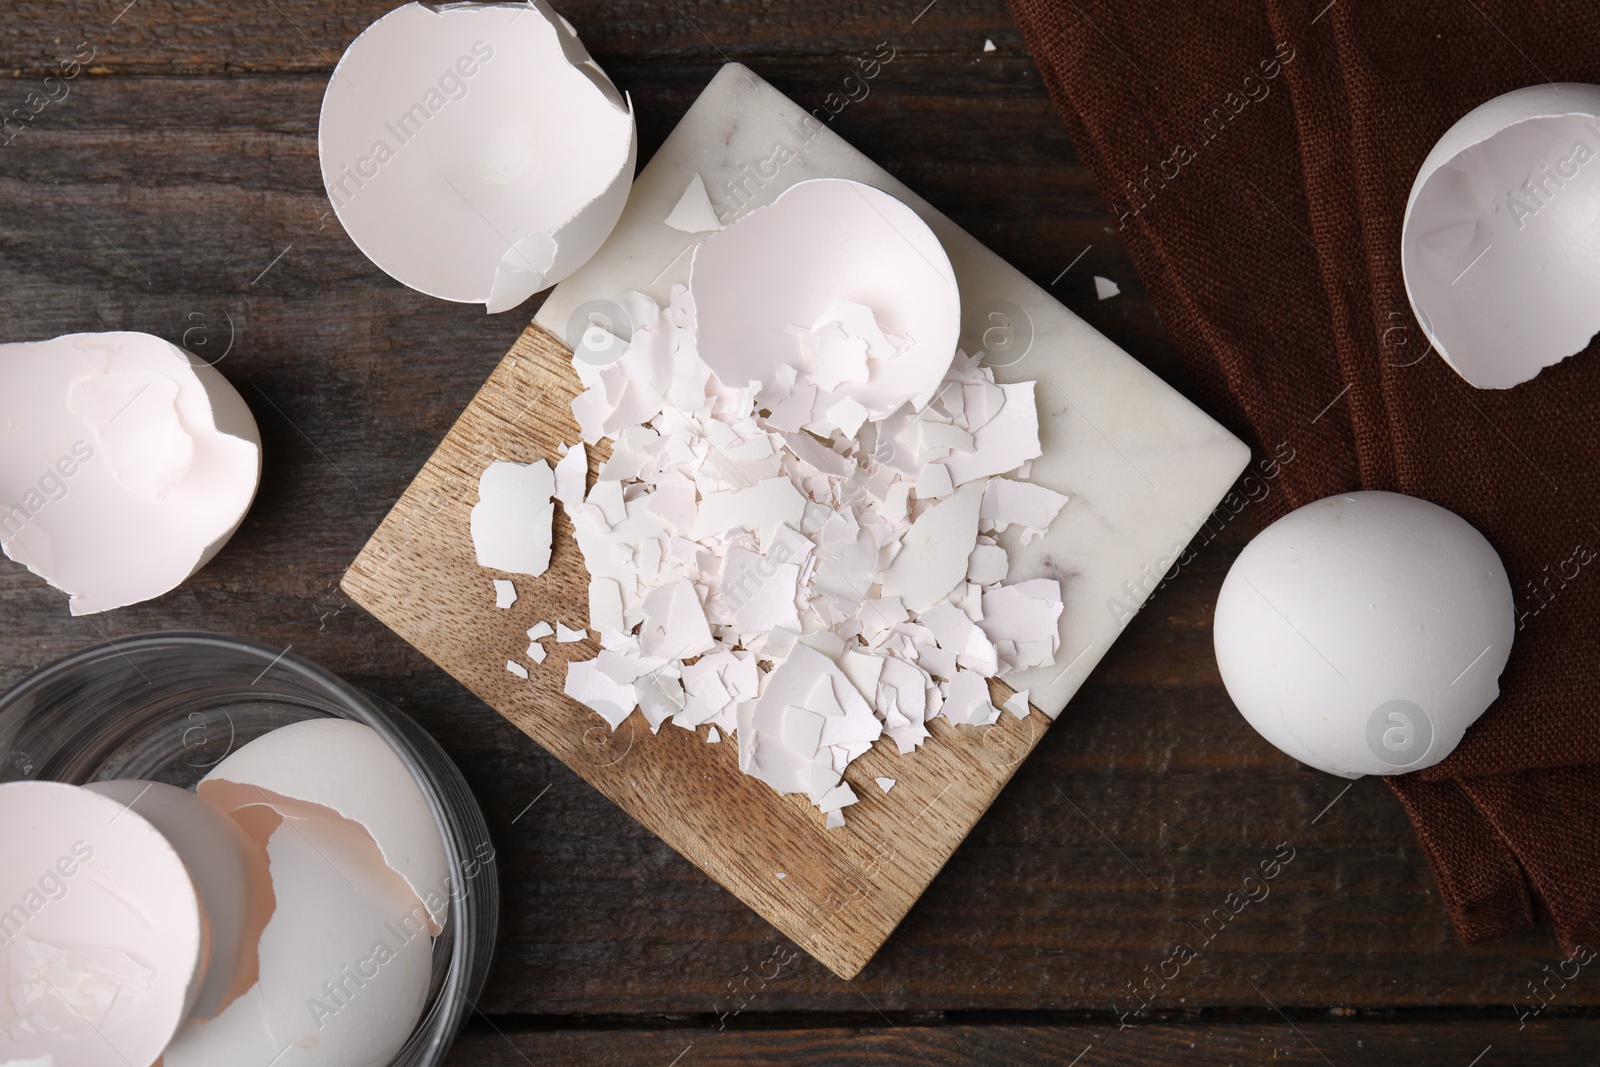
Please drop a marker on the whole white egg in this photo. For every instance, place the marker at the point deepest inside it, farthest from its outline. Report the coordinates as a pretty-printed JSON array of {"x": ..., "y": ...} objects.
[{"x": 1363, "y": 633}]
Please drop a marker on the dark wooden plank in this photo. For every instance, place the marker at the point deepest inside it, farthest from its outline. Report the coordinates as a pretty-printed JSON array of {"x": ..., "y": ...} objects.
[
  {"x": 155, "y": 195},
  {"x": 306, "y": 37},
  {"x": 1457, "y": 1043}
]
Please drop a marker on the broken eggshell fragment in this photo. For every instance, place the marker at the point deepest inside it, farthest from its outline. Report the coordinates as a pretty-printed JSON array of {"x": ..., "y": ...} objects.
[
  {"x": 475, "y": 152},
  {"x": 511, "y": 522},
  {"x": 819, "y": 280},
  {"x": 1501, "y": 241},
  {"x": 125, "y": 464},
  {"x": 1363, "y": 633}
]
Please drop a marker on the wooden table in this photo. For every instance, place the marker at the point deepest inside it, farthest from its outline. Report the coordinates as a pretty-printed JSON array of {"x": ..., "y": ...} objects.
[{"x": 173, "y": 187}]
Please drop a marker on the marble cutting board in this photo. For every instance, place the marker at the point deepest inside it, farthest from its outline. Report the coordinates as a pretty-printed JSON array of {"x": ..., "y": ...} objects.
[{"x": 1141, "y": 465}]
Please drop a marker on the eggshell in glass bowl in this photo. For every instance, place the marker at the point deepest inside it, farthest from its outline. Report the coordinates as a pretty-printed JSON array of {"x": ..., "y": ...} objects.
[
  {"x": 101, "y": 933},
  {"x": 345, "y": 959},
  {"x": 346, "y": 768}
]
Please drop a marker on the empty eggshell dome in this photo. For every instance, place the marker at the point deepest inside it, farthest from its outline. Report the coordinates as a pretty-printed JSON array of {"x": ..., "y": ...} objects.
[
  {"x": 1501, "y": 241},
  {"x": 232, "y": 881},
  {"x": 784, "y": 268},
  {"x": 1363, "y": 633},
  {"x": 318, "y": 766},
  {"x": 344, "y": 961},
  {"x": 475, "y": 152},
  {"x": 125, "y": 464},
  {"x": 102, "y": 936}
]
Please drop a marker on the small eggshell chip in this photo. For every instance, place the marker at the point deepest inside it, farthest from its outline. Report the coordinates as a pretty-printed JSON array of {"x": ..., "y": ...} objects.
[
  {"x": 125, "y": 465},
  {"x": 693, "y": 212},
  {"x": 228, "y": 870},
  {"x": 475, "y": 152},
  {"x": 766, "y": 281},
  {"x": 1501, "y": 240},
  {"x": 1363, "y": 633},
  {"x": 101, "y": 930},
  {"x": 347, "y": 768},
  {"x": 345, "y": 961}
]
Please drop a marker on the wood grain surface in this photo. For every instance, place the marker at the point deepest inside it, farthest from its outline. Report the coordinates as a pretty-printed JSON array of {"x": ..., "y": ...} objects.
[
  {"x": 175, "y": 189},
  {"x": 838, "y": 895}
]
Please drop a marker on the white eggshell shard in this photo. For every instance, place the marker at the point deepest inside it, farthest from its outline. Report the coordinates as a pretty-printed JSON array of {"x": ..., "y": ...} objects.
[
  {"x": 1363, "y": 633},
  {"x": 101, "y": 936},
  {"x": 475, "y": 152},
  {"x": 347, "y": 768},
  {"x": 511, "y": 522},
  {"x": 227, "y": 870},
  {"x": 769, "y": 291},
  {"x": 125, "y": 464},
  {"x": 345, "y": 961},
  {"x": 1501, "y": 241}
]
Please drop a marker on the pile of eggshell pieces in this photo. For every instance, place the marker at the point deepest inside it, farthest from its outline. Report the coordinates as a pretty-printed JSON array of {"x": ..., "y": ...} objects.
[
  {"x": 283, "y": 913},
  {"x": 794, "y": 538}
]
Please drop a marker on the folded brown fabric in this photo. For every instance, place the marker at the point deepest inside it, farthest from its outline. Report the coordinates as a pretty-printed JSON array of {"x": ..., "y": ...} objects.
[{"x": 1257, "y": 156}]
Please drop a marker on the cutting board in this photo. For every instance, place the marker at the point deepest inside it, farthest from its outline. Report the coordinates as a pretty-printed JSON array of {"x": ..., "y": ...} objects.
[{"x": 1141, "y": 466}]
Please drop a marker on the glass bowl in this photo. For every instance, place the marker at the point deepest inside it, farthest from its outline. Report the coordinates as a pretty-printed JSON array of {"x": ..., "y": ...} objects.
[{"x": 168, "y": 707}]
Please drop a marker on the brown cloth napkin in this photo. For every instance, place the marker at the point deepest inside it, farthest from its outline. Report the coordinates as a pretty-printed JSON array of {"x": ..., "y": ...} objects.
[{"x": 1257, "y": 156}]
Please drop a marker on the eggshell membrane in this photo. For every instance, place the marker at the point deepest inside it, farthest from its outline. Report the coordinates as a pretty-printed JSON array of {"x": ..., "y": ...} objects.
[
  {"x": 506, "y": 180},
  {"x": 779, "y": 269},
  {"x": 169, "y": 476},
  {"x": 1350, "y": 604},
  {"x": 228, "y": 869},
  {"x": 106, "y": 900},
  {"x": 1501, "y": 240},
  {"x": 328, "y": 996},
  {"x": 347, "y": 768}
]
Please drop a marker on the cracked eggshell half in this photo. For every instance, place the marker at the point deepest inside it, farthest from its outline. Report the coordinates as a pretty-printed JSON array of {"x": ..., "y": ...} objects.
[
  {"x": 321, "y": 766},
  {"x": 228, "y": 871},
  {"x": 103, "y": 942},
  {"x": 345, "y": 959},
  {"x": 125, "y": 464},
  {"x": 475, "y": 152},
  {"x": 784, "y": 269},
  {"x": 1501, "y": 240},
  {"x": 1363, "y": 633}
]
